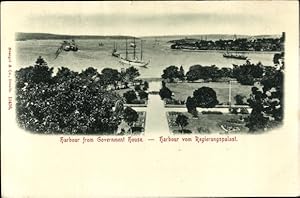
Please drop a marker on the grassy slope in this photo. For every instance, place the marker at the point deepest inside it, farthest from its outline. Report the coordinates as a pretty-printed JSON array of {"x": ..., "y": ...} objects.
[{"x": 183, "y": 90}]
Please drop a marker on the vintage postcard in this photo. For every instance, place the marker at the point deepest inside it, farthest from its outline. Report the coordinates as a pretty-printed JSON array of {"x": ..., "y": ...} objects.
[{"x": 150, "y": 99}]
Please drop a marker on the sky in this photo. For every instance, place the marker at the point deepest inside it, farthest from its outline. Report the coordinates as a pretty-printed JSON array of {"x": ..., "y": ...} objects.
[{"x": 151, "y": 18}]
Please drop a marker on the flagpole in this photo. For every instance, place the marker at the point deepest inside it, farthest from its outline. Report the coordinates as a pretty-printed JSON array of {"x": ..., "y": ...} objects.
[{"x": 229, "y": 95}]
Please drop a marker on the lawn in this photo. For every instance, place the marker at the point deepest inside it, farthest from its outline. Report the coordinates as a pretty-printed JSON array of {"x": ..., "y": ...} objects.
[
  {"x": 183, "y": 90},
  {"x": 209, "y": 123}
]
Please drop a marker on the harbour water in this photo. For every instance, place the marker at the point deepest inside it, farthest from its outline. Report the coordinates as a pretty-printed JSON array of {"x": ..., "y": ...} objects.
[{"x": 90, "y": 54}]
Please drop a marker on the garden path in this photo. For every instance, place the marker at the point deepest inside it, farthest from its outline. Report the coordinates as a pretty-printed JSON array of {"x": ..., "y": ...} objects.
[{"x": 156, "y": 117}]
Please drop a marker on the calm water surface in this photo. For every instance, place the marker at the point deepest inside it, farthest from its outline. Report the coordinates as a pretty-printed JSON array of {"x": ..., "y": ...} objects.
[{"x": 159, "y": 54}]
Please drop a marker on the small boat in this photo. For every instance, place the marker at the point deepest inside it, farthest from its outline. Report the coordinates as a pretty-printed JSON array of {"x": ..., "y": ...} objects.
[
  {"x": 101, "y": 44},
  {"x": 133, "y": 45},
  {"x": 134, "y": 61},
  {"x": 66, "y": 46},
  {"x": 236, "y": 56},
  {"x": 70, "y": 46},
  {"x": 115, "y": 52}
]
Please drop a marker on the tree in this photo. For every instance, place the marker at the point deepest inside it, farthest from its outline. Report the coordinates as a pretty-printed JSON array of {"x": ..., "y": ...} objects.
[
  {"x": 212, "y": 73},
  {"x": 181, "y": 121},
  {"x": 39, "y": 73},
  {"x": 41, "y": 62},
  {"x": 192, "y": 75},
  {"x": 240, "y": 99},
  {"x": 131, "y": 73},
  {"x": 190, "y": 104},
  {"x": 130, "y": 96},
  {"x": 137, "y": 88},
  {"x": 205, "y": 97},
  {"x": 75, "y": 105},
  {"x": 165, "y": 92},
  {"x": 130, "y": 116},
  {"x": 267, "y": 103},
  {"x": 119, "y": 108},
  {"x": 181, "y": 73},
  {"x": 110, "y": 76},
  {"x": 226, "y": 72},
  {"x": 143, "y": 95},
  {"x": 247, "y": 74},
  {"x": 277, "y": 57},
  {"x": 63, "y": 74},
  {"x": 89, "y": 72},
  {"x": 170, "y": 73},
  {"x": 146, "y": 86}
]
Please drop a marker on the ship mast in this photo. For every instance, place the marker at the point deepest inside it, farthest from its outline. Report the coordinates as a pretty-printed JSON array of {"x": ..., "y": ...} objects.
[
  {"x": 126, "y": 50},
  {"x": 141, "y": 50},
  {"x": 133, "y": 48}
]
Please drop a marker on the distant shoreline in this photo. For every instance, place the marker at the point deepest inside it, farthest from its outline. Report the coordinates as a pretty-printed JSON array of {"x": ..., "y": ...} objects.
[
  {"x": 188, "y": 50},
  {"x": 22, "y": 36}
]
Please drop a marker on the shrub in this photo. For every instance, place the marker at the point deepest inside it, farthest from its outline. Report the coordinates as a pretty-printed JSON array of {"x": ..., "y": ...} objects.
[
  {"x": 240, "y": 99},
  {"x": 233, "y": 110},
  {"x": 212, "y": 112},
  {"x": 244, "y": 110},
  {"x": 203, "y": 130},
  {"x": 181, "y": 121},
  {"x": 235, "y": 121},
  {"x": 136, "y": 101},
  {"x": 137, "y": 129},
  {"x": 194, "y": 113},
  {"x": 174, "y": 102},
  {"x": 171, "y": 73},
  {"x": 190, "y": 104},
  {"x": 130, "y": 96},
  {"x": 165, "y": 92},
  {"x": 146, "y": 86},
  {"x": 143, "y": 95},
  {"x": 137, "y": 88},
  {"x": 130, "y": 116}
]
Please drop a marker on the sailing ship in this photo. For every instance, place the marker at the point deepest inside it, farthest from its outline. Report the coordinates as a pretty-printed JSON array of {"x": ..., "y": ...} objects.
[
  {"x": 101, "y": 44},
  {"x": 115, "y": 52},
  {"x": 134, "y": 61}
]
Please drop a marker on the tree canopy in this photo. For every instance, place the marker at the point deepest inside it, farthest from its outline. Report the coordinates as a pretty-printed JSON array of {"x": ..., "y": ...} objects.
[
  {"x": 171, "y": 73},
  {"x": 68, "y": 102},
  {"x": 248, "y": 74},
  {"x": 165, "y": 93},
  {"x": 181, "y": 121},
  {"x": 130, "y": 96},
  {"x": 267, "y": 102},
  {"x": 205, "y": 97},
  {"x": 130, "y": 116}
]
